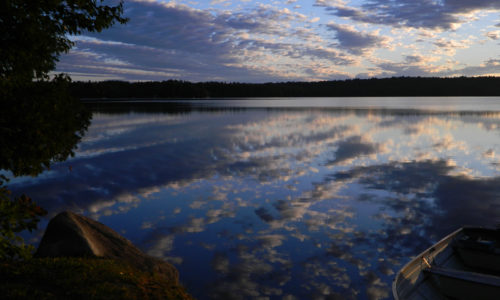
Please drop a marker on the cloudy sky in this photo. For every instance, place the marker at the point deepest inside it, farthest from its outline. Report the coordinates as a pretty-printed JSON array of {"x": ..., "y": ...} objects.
[{"x": 291, "y": 40}]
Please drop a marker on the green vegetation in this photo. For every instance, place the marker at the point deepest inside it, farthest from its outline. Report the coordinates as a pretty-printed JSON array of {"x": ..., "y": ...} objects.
[
  {"x": 397, "y": 86},
  {"x": 35, "y": 33},
  {"x": 82, "y": 278},
  {"x": 40, "y": 122},
  {"x": 16, "y": 215}
]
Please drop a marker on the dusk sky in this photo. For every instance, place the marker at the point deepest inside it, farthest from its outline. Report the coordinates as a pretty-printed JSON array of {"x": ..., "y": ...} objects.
[{"x": 291, "y": 40}]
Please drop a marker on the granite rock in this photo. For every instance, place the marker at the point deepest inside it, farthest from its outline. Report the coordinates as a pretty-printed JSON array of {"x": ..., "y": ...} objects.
[{"x": 72, "y": 235}]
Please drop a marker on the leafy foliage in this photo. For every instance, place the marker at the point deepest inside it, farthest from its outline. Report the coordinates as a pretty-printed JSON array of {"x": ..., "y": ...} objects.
[
  {"x": 40, "y": 122},
  {"x": 34, "y": 33},
  {"x": 396, "y": 86},
  {"x": 83, "y": 278},
  {"x": 15, "y": 216}
]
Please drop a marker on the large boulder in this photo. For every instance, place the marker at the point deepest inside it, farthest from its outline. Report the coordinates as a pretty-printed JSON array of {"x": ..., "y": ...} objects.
[{"x": 72, "y": 235}]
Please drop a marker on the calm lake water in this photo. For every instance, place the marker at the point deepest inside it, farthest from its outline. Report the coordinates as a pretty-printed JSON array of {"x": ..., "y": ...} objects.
[{"x": 287, "y": 198}]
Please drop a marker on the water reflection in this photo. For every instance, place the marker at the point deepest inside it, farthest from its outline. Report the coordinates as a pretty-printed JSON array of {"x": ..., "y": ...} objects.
[{"x": 282, "y": 203}]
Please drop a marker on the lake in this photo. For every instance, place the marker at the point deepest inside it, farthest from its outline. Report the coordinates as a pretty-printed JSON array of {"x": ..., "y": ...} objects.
[{"x": 309, "y": 198}]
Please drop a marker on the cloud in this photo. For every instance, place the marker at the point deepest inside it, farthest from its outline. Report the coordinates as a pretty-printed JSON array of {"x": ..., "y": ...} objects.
[
  {"x": 355, "y": 41},
  {"x": 166, "y": 40},
  {"x": 494, "y": 35},
  {"x": 215, "y": 2},
  {"x": 418, "y": 65},
  {"x": 428, "y": 14},
  {"x": 489, "y": 67},
  {"x": 411, "y": 65},
  {"x": 389, "y": 69},
  {"x": 300, "y": 51},
  {"x": 255, "y": 42},
  {"x": 450, "y": 46}
]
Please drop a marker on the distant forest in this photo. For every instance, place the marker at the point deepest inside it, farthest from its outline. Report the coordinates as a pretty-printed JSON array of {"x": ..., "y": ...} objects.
[{"x": 396, "y": 86}]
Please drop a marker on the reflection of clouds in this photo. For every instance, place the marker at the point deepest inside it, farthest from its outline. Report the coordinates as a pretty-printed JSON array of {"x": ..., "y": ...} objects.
[
  {"x": 98, "y": 181},
  {"x": 197, "y": 204},
  {"x": 338, "y": 283},
  {"x": 240, "y": 280},
  {"x": 118, "y": 205},
  {"x": 274, "y": 200},
  {"x": 490, "y": 153},
  {"x": 162, "y": 247},
  {"x": 147, "y": 225},
  {"x": 376, "y": 289},
  {"x": 148, "y": 192},
  {"x": 353, "y": 147},
  {"x": 264, "y": 214},
  {"x": 448, "y": 143},
  {"x": 105, "y": 134},
  {"x": 271, "y": 240},
  {"x": 440, "y": 199},
  {"x": 477, "y": 200},
  {"x": 289, "y": 131},
  {"x": 220, "y": 263},
  {"x": 419, "y": 124},
  {"x": 404, "y": 178},
  {"x": 430, "y": 201}
]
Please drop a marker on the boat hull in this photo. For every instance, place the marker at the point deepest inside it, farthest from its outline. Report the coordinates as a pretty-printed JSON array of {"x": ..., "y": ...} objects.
[{"x": 463, "y": 265}]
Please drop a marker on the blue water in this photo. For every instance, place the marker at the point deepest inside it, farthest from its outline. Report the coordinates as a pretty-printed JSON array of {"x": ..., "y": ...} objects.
[{"x": 288, "y": 198}]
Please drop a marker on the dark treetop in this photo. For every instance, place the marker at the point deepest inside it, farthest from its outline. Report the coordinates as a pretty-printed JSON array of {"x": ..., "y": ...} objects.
[
  {"x": 35, "y": 33},
  {"x": 40, "y": 123},
  {"x": 396, "y": 86}
]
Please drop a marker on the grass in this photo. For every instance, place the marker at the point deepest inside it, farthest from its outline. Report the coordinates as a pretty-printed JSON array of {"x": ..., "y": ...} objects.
[{"x": 83, "y": 278}]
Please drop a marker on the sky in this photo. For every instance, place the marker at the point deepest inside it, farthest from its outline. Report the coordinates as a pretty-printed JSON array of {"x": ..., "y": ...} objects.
[{"x": 290, "y": 40}]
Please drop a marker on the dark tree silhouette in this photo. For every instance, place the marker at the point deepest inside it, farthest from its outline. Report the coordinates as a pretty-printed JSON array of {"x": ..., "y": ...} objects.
[
  {"x": 396, "y": 86},
  {"x": 34, "y": 33},
  {"x": 40, "y": 122},
  {"x": 40, "y": 126}
]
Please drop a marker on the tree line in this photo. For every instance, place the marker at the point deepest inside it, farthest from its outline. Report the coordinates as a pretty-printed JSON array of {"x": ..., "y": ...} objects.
[{"x": 395, "y": 86}]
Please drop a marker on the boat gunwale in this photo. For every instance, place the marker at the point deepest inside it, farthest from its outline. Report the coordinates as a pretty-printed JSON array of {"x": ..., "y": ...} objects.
[
  {"x": 432, "y": 248},
  {"x": 422, "y": 254}
]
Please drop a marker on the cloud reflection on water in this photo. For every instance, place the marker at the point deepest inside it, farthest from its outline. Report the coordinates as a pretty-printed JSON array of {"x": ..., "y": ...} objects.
[{"x": 293, "y": 204}]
